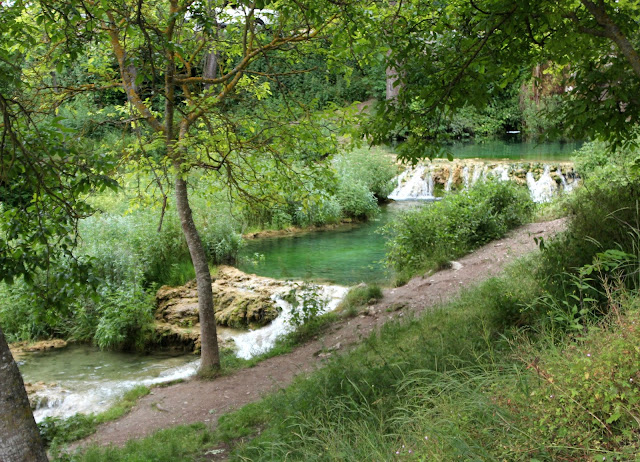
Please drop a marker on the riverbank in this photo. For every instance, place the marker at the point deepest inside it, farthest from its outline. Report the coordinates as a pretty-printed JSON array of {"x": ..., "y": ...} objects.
[{"x": 205, "y": 401}]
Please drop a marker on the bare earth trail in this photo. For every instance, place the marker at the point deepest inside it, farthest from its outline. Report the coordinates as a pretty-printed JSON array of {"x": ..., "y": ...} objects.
[{"x": 204, "y": 401}]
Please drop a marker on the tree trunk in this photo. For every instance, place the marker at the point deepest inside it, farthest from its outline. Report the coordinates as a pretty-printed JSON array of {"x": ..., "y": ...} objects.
[
  {"x": 19, "y": 436},
  {"x": 209, "y": 355},
  {"x": 393, "y": 89},
  {"x": 210, "y": 67}
]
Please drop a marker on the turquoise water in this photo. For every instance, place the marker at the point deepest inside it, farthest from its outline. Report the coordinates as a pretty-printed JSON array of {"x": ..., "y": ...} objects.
[
  {"x": 353, "y": 254},
  {"x": 515, "y": 150},
  {"x": 348, "y": 255},
  {"x": 83, "y": 363}
]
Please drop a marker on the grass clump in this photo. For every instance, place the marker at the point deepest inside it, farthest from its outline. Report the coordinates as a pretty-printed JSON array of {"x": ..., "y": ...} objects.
[
  {"x": 429, "y": 237},
  {"x": 359, "y": 296},
  {"x": 180, "y": 443}
]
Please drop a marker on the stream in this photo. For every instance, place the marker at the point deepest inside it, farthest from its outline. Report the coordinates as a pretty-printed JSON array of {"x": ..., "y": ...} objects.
[
  {"x": 88, "y": 380},
  {"x": 83, "y": 379}
]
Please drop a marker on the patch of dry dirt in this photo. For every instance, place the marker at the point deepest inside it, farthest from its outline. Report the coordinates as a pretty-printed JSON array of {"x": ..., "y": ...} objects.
[{"x": 204, "y": 401}]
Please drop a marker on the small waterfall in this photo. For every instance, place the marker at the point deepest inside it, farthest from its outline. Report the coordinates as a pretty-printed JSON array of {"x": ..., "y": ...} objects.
[
  {"x": 98, "y": 396},
  {"x": 544, "y": 189},
  {"x": 502, "y": 173},
  {"x": 253, "y": 343},
  {"x": 477, "y": 173},
  {"x": 93, "y": 394},
  {"x": 419, "y": 182},
  {"x": 566, "y": 187},
  {"x": 449, "y": 183},
  {"x": 414, "y": 184}
]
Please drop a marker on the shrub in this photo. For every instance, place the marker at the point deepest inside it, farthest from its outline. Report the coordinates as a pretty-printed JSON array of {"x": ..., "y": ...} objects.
[
  {"x": 307, "y": 303},
  {"x": 430, "y": 236},
  {"x": 374, "y": 168},
  {"x": 605, "y": 214},
  {"x": 356, "y": 200}
]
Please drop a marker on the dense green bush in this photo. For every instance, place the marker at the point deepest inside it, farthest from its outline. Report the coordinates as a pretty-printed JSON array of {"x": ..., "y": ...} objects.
[
  {"x": 605, "y": 214},
  {"x": 364, "y": 178},
  {"x": 375, "y": 168},
  {"x": 431, "y": 236},
  {"x": 356, "y": 200},
  {"x": 360, "y": 179}
]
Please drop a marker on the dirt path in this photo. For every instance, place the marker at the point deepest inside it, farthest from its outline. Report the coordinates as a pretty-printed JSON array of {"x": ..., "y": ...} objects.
[{"x": 205, "y": 401}]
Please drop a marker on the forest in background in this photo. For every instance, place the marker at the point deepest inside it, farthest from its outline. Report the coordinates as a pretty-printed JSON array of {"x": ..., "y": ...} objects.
[{"x": 91, "y": 103}]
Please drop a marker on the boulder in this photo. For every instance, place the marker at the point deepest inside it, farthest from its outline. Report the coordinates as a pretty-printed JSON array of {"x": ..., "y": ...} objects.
[{"x": 240, "y": 301}]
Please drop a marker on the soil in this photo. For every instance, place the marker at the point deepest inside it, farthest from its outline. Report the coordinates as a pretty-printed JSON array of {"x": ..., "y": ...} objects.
[{"x": 204, "y": 401}]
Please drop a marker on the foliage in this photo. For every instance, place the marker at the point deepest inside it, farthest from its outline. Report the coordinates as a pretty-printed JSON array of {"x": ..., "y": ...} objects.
[
  {"x": 604, "y": 216},
  {"x": 374, "y": 167},
  {"x": 542, "y": 119},
  {"x": 586, "y": 397},
  {"x": 179, "y": 443},
  {"x": 307, "y": 303},
  {"x": 456, "y": 54},
  {"x": 358, "y": 180},
  {"x": 431, "y": 236}
]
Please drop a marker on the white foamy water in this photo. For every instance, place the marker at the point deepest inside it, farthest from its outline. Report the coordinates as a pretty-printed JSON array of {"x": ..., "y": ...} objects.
[
  {"x": 253, "y": 343},
  {"x": 87, "y": 397},
  {"x": 414, "y": 184},
  {"x": 544, "y": 189},
  {"x": 417, "y": 183}
]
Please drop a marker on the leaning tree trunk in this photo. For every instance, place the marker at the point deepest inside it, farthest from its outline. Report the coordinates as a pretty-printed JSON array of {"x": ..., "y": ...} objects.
[
  {"x": 19, "y": 436},
  {"x": 209, "y": 355}
]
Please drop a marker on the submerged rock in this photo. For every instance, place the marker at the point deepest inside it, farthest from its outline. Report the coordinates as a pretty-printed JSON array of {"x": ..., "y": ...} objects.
[
  {"x": 40, "y": 396},
  {"x": 18, "y": 349}
]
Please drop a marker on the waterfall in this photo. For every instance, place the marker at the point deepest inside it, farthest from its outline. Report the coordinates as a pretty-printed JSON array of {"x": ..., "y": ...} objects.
[
  {"x": 477, "y": 173},
  {"x": 94, "y": 396},
  {"x": 566, "y": 187},
  {"x": 414, "y": 184},
  {"x": 419, "y": 182},
  {"x": 544, "y": 189},
  {"x": 501, "y": 172},
  {"x": 449, "y": 183},
  {"x": 91, "y": 393},
  {"x": 253, "y": 343}
]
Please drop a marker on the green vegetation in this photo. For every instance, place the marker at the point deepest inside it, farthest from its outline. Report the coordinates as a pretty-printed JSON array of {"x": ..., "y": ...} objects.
[
  {"x": 430, "y": 237},
  {"x": 126, "y": 258},
  {"x": 180, "y": 443},
  {"x": 362, "y": 179},
  {"x": 359, "y": 296},
  {"x": 537, "y": 364}
]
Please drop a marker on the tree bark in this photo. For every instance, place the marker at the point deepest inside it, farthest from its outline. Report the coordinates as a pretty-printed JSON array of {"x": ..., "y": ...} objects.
[
  {"x": 209, "y": 354},
  {"x": 19, "y": 436},
  {"x": 210, "y": 67},
  {"x": 611, "y": 30}
]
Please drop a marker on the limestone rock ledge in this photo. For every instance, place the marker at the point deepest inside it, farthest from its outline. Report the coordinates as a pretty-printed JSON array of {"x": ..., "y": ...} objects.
[{"x": 240, "y": 301}]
